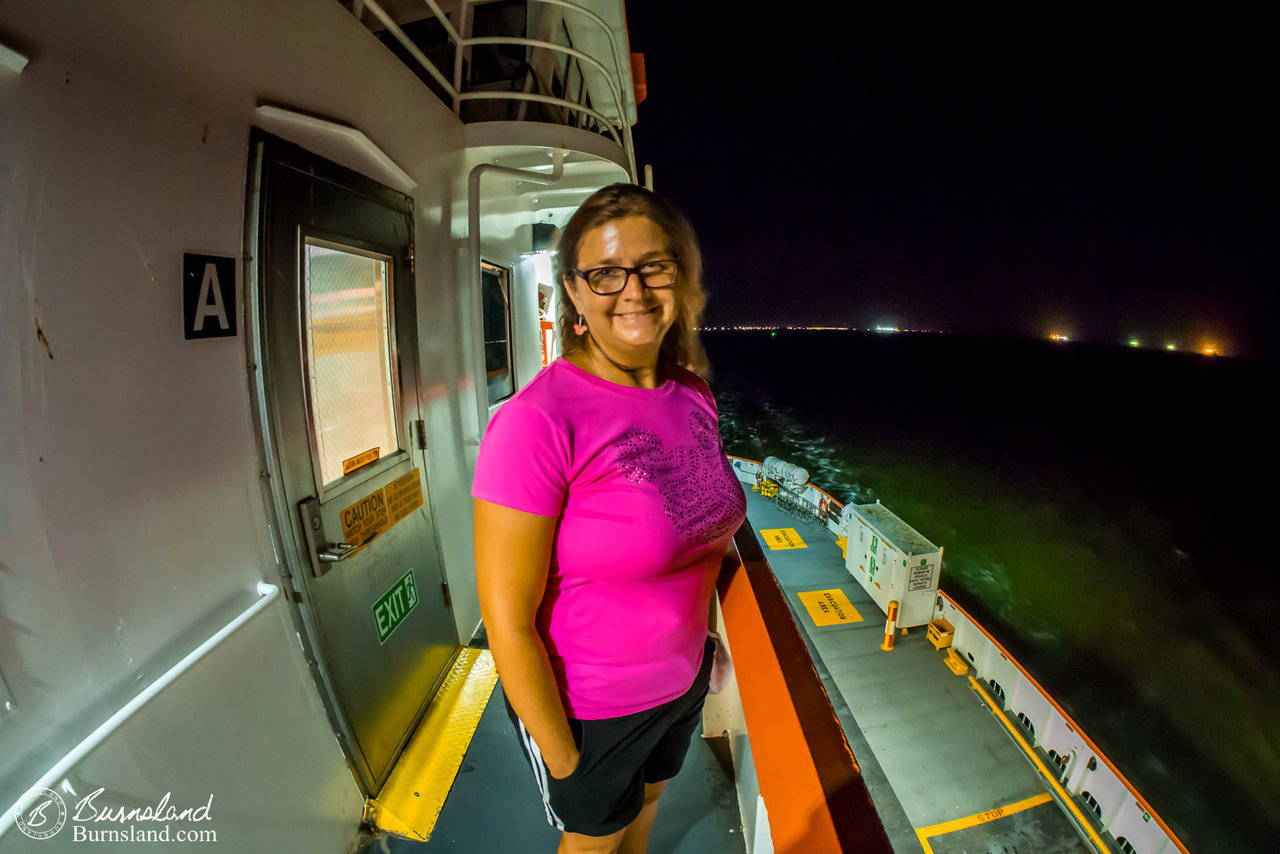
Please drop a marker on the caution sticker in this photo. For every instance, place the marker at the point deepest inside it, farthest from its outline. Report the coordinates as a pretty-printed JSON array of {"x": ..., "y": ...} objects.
[
  {"x": 782, "y": 538},
  {"x": 829, "y": 607},
  {"x": 404, "y": 495},
  {"x": 363, "y": 521},
  {"x": 348, "y": 466}
]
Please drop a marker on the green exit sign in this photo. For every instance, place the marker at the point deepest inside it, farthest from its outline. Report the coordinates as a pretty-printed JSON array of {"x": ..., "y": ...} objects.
[{"x": 394, "y": 605}]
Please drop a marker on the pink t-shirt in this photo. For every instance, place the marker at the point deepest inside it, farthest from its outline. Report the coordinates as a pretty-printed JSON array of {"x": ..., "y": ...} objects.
[{"x": 647, "y": 503}]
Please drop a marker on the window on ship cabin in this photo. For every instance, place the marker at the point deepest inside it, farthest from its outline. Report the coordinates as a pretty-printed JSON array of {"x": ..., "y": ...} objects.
[
  {"x": 496, "y": 300},
  {"x": 349, "y": 347}
]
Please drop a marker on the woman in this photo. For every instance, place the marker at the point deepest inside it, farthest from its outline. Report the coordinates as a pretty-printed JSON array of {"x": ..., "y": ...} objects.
[{"x": 603, "y": 506}]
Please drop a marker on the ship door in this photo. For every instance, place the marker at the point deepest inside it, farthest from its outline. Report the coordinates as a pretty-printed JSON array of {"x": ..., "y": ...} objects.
[{"x": 342, "y": 435}]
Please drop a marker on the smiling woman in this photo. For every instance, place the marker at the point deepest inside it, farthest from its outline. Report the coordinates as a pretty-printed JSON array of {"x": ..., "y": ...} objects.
[
  {"x": 628, "y": 323},
  {"x": 602, "y": 490},
  {"x": 623, "y": 309}
]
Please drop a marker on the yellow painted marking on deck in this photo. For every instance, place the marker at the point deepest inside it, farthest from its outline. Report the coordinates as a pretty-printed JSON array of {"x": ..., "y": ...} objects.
[
  {"x": 924, "y": 833},
  {"x": 1040, "y": 766},
  {"x": 782, "y": 538},
  {"x": 830, "y": 607},
  {"x": 410, "y": 802}
]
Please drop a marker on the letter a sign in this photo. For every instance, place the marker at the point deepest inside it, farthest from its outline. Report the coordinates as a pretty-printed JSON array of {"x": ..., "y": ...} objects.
[{"x": 208, "y": 296}]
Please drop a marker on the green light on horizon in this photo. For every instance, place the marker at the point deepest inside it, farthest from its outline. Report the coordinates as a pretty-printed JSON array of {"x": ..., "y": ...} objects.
[
  {"x": 1134, "y": 342},
  {"x": 1170, "y": 347}
]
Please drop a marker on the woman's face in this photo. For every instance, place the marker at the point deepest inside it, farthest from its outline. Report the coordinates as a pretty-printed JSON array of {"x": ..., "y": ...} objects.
[{"x": 631, "y": 323}]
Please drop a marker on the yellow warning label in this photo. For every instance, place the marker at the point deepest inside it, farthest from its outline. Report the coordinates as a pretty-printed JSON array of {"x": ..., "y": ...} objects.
[
  {"x": 365, "y": 519},
  {"x": 404, "y": 495},
  {"x": 348, "y": 466},
  {"x": 830, "y": 607},
  {"x": 378, "y": 511},
  {"x": 782, "y": 538}
]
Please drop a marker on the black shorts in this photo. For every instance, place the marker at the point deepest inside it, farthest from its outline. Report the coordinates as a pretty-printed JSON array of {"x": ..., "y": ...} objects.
[{"x": 618, "y": 756}]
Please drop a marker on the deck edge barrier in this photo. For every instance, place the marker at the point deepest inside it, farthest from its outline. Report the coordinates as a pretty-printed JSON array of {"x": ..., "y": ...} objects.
[{"x": 814, "y": 791}]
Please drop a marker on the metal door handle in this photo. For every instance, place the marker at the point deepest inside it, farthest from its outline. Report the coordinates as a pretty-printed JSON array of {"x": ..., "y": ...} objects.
[{"x": 336, "y": 552}]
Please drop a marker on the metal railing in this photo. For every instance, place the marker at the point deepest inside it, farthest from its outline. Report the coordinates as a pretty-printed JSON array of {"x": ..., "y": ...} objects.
[
  {"x": 267, "y": 594},
  {"x": 612, "y": 69}
]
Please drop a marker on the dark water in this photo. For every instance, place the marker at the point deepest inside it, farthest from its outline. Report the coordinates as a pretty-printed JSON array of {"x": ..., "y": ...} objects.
[{"x": 1106, "y": 513}]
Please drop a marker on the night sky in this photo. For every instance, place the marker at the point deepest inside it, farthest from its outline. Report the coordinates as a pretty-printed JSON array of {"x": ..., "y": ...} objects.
[{"x": 1095, "y": 172}]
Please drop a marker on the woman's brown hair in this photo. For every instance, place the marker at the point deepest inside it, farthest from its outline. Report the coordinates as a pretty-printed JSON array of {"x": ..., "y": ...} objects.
[{"x": 681, "y": 344}]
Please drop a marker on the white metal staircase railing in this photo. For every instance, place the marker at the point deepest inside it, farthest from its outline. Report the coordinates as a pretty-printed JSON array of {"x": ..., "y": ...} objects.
[
  {"x": 267, "y": 594},
  {"x": 614, "y": 69}
]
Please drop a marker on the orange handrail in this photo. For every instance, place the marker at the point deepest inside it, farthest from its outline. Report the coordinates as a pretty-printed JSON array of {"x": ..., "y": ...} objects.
[{"x": 812, "y": 786}]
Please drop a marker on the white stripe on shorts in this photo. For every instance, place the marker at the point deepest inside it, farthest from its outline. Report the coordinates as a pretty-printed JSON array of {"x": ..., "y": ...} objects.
[{"x": 539, "y": 774}]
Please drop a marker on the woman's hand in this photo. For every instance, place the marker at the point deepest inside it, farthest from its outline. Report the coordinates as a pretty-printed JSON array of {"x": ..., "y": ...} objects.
[
  {"x": 563, "y": 768},
  {"x": 513, "y": 556}
]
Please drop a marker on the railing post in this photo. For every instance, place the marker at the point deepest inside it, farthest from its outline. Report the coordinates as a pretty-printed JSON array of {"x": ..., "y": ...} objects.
[
  {"x": 462, "y": 50},
  {"x": 890, "y": 626}
]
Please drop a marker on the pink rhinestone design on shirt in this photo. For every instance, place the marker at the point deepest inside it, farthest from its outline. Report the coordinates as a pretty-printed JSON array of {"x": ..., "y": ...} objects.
[{"x": 700, "y": 494}]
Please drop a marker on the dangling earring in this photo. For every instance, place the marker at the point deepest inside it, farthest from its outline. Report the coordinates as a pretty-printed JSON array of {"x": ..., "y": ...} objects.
[{"x": 581, "y": 326}]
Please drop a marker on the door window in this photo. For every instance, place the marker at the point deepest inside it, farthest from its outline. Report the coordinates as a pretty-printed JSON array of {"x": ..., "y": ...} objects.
[{"x": 349, "y": 348}]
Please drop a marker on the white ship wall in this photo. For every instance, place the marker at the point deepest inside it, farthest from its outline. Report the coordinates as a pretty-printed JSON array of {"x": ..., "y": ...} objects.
[
  {"x": 1122, "y": 814},
  {"x": 132, "y": 518}
]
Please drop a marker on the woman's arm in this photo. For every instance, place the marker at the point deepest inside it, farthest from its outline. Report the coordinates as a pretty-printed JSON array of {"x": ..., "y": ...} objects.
[{"x": 513, "y": 555}]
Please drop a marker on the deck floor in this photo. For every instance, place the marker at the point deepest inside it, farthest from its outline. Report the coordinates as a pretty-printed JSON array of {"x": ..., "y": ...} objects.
[
  {"x": 494, "y": 805},
  {"x": 930, "y": 752}
]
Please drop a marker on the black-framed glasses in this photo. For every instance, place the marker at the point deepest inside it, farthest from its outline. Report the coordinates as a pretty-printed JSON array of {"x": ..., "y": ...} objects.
[{"x": 610, "y": 280}]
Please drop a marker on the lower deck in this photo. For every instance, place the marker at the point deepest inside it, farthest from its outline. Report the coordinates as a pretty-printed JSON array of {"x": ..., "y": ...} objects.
[{"x": 944, "y": 773}]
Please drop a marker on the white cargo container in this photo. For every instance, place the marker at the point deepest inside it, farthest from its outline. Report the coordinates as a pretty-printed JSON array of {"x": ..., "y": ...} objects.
[{"x": 891, "y": 560}]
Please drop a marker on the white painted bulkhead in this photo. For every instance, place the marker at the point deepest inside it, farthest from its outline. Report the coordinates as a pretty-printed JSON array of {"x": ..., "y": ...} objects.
[
  {"x": 133, "y": 515},
  {"x": 1088, "y": 777}
]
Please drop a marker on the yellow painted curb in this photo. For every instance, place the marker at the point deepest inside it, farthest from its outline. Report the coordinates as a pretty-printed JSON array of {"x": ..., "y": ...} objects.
[
  {"x": 1051, "y": 778},
  {"x": 413, "y": 796}
]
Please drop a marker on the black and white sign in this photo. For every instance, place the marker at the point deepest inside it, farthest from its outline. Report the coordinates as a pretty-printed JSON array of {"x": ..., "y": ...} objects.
[
  {"x": 208, "y": 296},
  {"x": 921, "y": 578}
]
